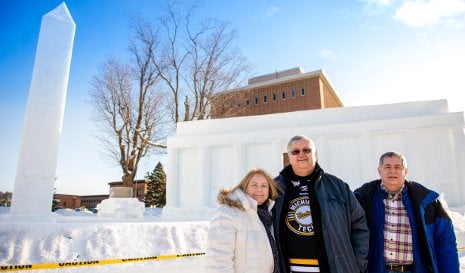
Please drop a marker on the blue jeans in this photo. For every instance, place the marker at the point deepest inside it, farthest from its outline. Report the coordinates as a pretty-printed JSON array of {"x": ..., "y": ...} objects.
[{"x": 390, "y": 271}]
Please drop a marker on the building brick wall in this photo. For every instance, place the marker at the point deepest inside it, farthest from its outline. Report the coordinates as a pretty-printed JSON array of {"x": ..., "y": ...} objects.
[
  {"x": 294, "y": 91},
  {"x": 90, "y": 201}
]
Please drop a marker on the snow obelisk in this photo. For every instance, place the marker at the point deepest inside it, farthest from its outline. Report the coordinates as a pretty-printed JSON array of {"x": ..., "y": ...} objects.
[{"x": 36, "y": 169}]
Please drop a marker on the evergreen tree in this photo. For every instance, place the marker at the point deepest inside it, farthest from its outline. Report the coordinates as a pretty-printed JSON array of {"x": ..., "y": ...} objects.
[
  {"x": 5, "y": 198},
  {"x": 156, "y": 187}
]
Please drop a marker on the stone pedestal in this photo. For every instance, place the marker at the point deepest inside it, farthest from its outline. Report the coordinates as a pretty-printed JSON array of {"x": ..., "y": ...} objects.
[{"x": 121, "y": 192}]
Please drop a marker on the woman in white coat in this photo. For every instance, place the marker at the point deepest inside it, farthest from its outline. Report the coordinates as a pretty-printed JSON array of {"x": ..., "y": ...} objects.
[{"x": 240, "y": 237}]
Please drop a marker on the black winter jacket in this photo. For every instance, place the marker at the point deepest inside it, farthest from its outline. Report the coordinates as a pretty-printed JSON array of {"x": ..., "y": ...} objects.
[{"x": 345, "y": 231}]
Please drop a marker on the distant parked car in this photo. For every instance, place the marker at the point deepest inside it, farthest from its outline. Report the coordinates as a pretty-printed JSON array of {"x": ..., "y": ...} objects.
[
  {"x": 73, "y": 212},
  {"x": 65, "y": 212}
]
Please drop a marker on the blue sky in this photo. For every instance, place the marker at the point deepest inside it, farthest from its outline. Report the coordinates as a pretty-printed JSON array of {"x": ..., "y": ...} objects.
[{"x": 373, "y": 52}]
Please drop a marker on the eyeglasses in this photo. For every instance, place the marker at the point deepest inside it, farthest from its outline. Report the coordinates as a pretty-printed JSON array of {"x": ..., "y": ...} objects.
[{"x": 304, "y": 150}]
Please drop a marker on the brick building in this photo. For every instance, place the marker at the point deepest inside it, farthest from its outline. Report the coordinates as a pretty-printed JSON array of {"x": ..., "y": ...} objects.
[
  {"x": 283, "y": 91},
  {"x": 90, "y": 201},
  {"x": 69, "y": 201}
]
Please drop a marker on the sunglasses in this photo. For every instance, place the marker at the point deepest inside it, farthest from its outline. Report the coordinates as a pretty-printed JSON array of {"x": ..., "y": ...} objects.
[{"x": 304, "y": 150}]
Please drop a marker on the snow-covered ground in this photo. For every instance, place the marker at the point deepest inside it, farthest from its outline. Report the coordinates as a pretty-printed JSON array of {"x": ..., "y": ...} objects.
[{"x": 75, "y": 238}]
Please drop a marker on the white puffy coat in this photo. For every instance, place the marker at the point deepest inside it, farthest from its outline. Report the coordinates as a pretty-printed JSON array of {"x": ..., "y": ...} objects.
[{"x": 237, "y": 240}]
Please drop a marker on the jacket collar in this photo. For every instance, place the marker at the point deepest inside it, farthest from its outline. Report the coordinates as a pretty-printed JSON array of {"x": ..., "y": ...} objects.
[{"x": 238, "y": 198}]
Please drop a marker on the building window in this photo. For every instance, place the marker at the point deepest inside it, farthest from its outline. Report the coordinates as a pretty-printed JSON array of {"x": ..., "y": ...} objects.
[
  {"x": 293, "y": 93},
  {"x": 303, "y": 92},
  {"x": 283, "y": 95},
  {"x": 256, "y": 100},
  {"x": 274, "y": 97},
  {"x": 247, "y": 102},
  {"x": 264, "y": 98}
]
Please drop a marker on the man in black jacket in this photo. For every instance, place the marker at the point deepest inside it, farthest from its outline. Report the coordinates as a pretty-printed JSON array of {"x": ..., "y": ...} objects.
[{"x": 318, "y": 223}]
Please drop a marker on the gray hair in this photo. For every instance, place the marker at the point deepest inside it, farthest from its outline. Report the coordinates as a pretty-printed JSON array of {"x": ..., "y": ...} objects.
[
  {"x": 298, "y": 138},
  {"x": 393, "y": 154}
]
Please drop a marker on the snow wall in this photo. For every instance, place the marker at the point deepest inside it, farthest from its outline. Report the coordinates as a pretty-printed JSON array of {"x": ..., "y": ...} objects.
[{"x": 207, "y": 155}]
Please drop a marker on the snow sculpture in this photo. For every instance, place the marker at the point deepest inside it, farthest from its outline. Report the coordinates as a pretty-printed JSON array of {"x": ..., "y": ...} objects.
[
  {"x": 36, "y": 168},
  {"x": 207, "y": 155},
  {"x": 120, "y": 206}
]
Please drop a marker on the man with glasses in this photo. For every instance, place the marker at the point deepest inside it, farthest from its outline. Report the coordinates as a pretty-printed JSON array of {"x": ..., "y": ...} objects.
[
  {"x": 318, "y": 223},
  {"x": 409, "y": 229}
]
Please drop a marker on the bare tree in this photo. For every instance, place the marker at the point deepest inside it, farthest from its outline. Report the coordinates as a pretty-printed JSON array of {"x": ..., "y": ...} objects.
[
  {"x": 197, "y": 61},
  {"x": 128, "y": 105},
  {"x": 174, "y": 62}
]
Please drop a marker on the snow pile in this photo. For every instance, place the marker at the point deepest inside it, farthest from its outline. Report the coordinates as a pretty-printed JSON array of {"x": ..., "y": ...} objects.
[
  {"x": 90, "y": 238},
  {"x": 81, "y": 236}
]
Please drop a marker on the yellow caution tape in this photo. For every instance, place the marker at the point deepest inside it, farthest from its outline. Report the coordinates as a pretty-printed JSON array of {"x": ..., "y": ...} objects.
[{"x": 5, "y": 268}]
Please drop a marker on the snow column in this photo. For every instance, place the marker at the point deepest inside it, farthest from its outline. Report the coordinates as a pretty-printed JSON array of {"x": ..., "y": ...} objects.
[{"x": 36, "y": 168}]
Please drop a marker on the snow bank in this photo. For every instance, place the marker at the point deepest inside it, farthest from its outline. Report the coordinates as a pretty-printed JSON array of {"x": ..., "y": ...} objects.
[{"x": 89, "y": 238}]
